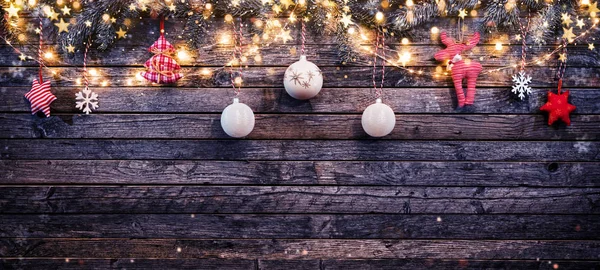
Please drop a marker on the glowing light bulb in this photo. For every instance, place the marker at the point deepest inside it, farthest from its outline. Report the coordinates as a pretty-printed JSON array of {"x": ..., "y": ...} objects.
[
  {"x": 48, "y": 55},
  {"x": 208, "y": 6},
  {"x": 301, "y": 2},
  {"x": 498, "y": 46},
  {"x": 351, "y": 30},
  {"x": 379, "y": 16},
  {"x": 183, "y": 55},
  {"x": 228, "y": 18},
  {"x": 405, "y": 41},
  {"x": 409, "y": 3},
  {"x": 435, "y": 30},
  {"x": 404, "y": 58},
  {"x": 585, "y": 2},
  {"x": 93, "y": 72}
]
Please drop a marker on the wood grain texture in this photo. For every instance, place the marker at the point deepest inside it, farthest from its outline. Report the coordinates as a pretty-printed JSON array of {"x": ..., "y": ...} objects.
[
  {"x": 272, "y": 126},
  {"x": 381, "y": 264},
  {"x": 301, "y": 150},
  {"x": 490, "y": 186},
  {"x": 304, "y": 199},
  {"x": 208, "y": 226},
  {"x": 278, "y": 249},
  {"x": 386, "y": 173},
  {"x": 128, "y": 263},
  {"x": 276, "y": 100},
  {"x": 320, "y": 54},
  {"x": 259, "y": 76}
]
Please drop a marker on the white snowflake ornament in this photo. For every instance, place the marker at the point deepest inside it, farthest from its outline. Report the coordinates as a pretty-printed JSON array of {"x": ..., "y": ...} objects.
[
  {"x": 521, "y": 87},
  {"x": 86, "y": 100}
]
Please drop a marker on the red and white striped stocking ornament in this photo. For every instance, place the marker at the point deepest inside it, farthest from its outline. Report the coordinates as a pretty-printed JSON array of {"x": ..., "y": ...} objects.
[{"x": 40, "y": 95}]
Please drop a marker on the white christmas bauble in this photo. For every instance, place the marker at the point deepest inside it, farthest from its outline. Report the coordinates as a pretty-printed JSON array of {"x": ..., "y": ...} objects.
[
  {"x": 378, "y": 119},
  {"x": 237, "y": 120},
  {"x": 303, "y": 79}
]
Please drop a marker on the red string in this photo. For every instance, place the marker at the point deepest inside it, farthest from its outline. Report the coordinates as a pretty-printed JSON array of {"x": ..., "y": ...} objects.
[
  {"x": 162, "y": 25},
  {"x": 40, "y": 54},
  {"x": 303, "y": 36}
]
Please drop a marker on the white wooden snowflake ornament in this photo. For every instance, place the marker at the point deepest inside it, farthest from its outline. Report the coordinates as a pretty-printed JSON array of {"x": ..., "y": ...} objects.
[
  {"x": 86, "y": 100},
  {"x": 521, "y": 86}
]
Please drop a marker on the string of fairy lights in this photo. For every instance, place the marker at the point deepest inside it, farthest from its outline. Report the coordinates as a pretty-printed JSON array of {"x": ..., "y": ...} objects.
[{"x": 278, "y": 29}]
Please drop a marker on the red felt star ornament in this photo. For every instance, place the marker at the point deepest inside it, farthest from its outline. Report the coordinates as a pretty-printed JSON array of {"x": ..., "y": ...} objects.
[{"x": 558, "y": 106}]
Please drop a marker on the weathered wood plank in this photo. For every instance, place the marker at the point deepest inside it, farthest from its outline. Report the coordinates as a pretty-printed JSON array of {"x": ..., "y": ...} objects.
[
  {"x": 301, "y": 150},
  {"x": 320, "y": 54},
  {"x": 185, "y": 172},
  {"x": 128, "y": 263},
  {"x": 257, "y": 76},
  {"x": 301, "y": 249},
  {"x": 292, "y": 199},
  {"x": 303, "y": 226},
  {"x": 343, "y": 264},
  {"x": 188, "y": 126},
  {"x": 276, "y": 100},
  {"x": 389, "y": 264}
]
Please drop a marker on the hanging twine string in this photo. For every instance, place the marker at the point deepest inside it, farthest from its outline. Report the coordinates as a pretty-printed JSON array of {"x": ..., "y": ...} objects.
[
  {"x": 303, "y": 37},
  {"x": 85, "y": 73},
  {"x": 379, "y": 45},
  {"x": 524, "y": 31},
  {"x": 40, "y": 59},
  {"x": 237, "y": 56}
]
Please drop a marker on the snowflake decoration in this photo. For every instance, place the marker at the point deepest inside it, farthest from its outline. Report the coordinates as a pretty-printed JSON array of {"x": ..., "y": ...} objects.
[
  {"x": 521, "y": 86},
  {"x": 295, "y": 77},
  {"x": 86, "y": 99}
]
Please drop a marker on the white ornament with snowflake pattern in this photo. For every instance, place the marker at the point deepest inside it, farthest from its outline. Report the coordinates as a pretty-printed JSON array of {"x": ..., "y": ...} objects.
[
  {"x": 237, "y": 120},
  {"x": 303, "y": 79},
  {"x": 86, "y": 100},
  {"x": 378, "y": 119},
  {"x": 521, "y": 87}
]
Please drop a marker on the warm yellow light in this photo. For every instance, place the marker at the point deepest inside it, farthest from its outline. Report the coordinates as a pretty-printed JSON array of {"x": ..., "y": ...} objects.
[
  {"x": 379, "y": 16},
  {"x": 258, "y": 24},
  {"x": 228, "y": 18},
  {"x": 208, "y": 6},
  {"x": 105, "y": 17},
  {"x": 78, "y": 81},
  {"x": 404, "y": 58},
  {"x": 435, "y": 30},
  {"x": 32, "y": 3},
  {"x": 225, "y": 39},
  {"x": 104, "y": 83},
  {"x": 351, "y": 30},
  {"x": 238, "y": 80},
  {"x": 409, "y": 3},
  {"x": 498, "y": 46},
  {"x": 93, "y": 72},
  {"x": 301, "y": 2},
  {"x": 585, "y": 2},
  {"x": 405, "y": 41},
  {"x": 205, "y": 72},
  {"x": 48, "y": 55},
  {"x": 183, "y": 55},
  {"x": 258, "y": 58}
]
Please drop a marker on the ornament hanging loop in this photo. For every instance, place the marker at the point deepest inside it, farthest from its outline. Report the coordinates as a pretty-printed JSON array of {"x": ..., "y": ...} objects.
[
  {"x": 40, "y": 59},
  {"x": 162, "y": 25}
]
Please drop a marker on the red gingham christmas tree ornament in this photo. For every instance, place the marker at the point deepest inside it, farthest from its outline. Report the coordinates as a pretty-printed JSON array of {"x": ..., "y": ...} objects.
[
  {"x": 558, "y": 106},
  {"x": 461, "y": 68},
  {"x": 161, "y": 68},
  {"x": 40, "y": 97}
]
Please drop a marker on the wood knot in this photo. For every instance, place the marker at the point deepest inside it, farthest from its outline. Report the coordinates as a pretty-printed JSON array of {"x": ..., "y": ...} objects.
[{"x": 552, "y": 167}]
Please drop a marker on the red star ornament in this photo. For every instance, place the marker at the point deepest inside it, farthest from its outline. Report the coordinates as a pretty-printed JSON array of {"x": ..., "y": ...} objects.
[
  {"x": 558, "y": 106},
  {"x": 40, "y": 97}
]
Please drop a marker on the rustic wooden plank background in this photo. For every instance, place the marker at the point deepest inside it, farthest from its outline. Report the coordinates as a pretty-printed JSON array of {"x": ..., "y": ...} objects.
[{"x": 151, "y": 181}]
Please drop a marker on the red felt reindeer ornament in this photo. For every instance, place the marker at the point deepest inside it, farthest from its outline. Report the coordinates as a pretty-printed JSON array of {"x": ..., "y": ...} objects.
[{"x": 461, "y": 68}]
